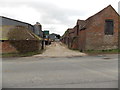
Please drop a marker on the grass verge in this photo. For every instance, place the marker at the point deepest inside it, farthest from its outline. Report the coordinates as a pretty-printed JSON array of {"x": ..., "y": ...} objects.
[
  {"x": 7, "y": 55},
  {"x": 112, "y": 51}
]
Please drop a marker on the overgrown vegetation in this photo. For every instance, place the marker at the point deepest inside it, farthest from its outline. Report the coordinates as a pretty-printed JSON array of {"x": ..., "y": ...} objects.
[
  {"x": 21, "y": 33},
  {"x": 23, "y": 39},
  {"x": 24, "y": 46},
  {"x": 111, "y": 51},
  {"x": 5, "y": 55}
]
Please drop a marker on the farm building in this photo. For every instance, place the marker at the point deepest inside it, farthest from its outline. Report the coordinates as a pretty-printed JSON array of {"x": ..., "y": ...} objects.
[
  {"x": 98, "y": 32},
  {"x": 16, "y": 34}
]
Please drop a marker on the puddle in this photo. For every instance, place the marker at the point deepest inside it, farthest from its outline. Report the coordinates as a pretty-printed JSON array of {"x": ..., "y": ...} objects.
[{"x": 106, "y": 58}]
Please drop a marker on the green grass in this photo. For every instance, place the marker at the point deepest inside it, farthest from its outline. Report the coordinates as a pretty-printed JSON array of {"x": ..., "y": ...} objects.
[
  {"x": 4, "y": 55},
  {"x": 112, "y": 51}
]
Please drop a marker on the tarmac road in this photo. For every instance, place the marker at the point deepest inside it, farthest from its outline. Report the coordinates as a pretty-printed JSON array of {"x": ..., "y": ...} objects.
[{"x": 61, "y": 72}]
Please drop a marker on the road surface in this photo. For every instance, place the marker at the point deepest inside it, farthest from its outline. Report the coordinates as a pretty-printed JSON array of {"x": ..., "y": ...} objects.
[
  {"x": 99, "y": 71},
  {"x": 57, "y": 49}
]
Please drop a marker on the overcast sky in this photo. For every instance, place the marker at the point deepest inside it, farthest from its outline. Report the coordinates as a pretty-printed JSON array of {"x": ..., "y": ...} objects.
[{"x": 54, "y": 15}]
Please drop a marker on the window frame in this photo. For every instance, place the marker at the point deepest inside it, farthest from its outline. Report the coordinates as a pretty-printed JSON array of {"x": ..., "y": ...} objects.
[{"x": 106, "y": 32}]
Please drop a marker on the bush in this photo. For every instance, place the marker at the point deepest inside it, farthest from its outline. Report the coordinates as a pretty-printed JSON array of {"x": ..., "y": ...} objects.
[
  {"x": 24, "y": 46},
  {"x": 21, "y": 33},
  {"x": 23, "y": 39}
]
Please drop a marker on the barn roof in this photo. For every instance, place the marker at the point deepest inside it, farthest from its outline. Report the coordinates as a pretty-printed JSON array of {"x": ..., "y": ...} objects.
[
  {"x": 85, "y": 23},
  {"x": 17, "y": 33}
]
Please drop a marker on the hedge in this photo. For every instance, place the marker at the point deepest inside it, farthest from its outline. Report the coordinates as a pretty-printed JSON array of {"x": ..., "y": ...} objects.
[{"x": 23, "y": 39}]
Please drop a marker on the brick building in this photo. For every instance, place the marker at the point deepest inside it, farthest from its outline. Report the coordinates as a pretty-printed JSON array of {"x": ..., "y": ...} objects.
[
  {"x": 14, "y": 30},
  {"x": 98, "y": 32}
]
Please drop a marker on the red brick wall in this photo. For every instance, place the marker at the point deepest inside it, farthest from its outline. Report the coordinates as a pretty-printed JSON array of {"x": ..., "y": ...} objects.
[
  {"x": 74, "y": 44},
  {"x": 6, "y": 47},
  {"x": 95, "y": 37},
  {"x": 82, "y": 40}
]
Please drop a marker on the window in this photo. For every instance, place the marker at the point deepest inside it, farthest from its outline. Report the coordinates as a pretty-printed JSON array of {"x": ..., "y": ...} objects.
[
  {"x": 109, "y": 27},
  {"x": 77, "y": 29}
]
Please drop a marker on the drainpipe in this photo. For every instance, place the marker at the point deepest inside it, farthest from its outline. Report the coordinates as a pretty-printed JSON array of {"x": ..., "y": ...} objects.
[{"x": 43, "y": 42}]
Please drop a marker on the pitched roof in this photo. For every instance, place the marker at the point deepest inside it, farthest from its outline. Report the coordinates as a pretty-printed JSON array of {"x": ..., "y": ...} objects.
[
  {"x": 15, "y": 20},
  {"x": 80, "y": 21},
  {"x": 17, "y": 33},
  {"x": 109, "y": 6},
  {"x": 84, "y": 23},
  {"x": 70, "y": 30}
]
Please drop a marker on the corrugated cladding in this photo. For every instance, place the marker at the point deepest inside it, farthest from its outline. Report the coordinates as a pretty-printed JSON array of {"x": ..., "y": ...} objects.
[
  {"x": 8, "y": 24},
  {"x": 11, "y": 22}
]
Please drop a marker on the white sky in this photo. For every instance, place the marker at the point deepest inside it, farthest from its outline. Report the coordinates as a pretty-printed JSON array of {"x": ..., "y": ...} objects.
[{"x": 54, "y": 15}]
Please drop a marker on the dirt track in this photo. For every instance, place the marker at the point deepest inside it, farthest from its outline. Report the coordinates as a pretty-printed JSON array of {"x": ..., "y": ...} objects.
[{"x": 57, "y": 49}]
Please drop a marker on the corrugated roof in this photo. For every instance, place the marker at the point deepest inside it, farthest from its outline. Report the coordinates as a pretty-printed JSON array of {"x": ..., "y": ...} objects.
[
  {"x": 16, "y": 20},
  {"x": 17, "y": 33}
]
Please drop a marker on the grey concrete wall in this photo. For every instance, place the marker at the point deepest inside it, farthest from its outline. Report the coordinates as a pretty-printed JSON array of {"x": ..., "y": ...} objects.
[{"x": 38, "y": 30}]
